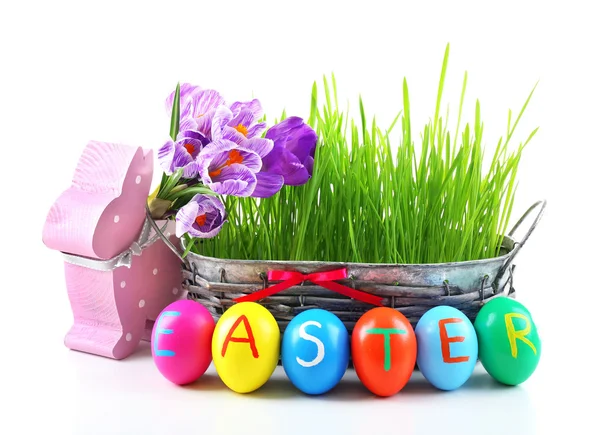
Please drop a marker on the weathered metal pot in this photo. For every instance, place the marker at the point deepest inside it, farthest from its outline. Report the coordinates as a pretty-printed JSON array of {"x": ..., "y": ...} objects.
[{"x": 411, "y": 289}]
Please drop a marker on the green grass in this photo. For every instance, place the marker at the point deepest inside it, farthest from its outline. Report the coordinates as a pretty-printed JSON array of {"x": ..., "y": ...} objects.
[{"x": 374, "y": 201}]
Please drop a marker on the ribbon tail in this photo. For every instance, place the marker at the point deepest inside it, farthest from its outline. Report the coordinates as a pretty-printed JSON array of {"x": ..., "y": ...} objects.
[
  {"x": 351, "y": 293},
  {"x": 125, "y": 260},
  {"x": 261, "y": 294}
]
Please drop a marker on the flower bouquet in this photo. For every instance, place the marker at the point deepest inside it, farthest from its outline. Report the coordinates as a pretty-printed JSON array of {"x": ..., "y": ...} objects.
[
  {"x": 337, "y": 213},
  {"x": 219, "y": 150}
]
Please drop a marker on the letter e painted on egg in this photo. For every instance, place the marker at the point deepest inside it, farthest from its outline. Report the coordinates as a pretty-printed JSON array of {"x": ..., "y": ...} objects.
[
  {"x": 248, "y": 339},
  {"x": 514, "y": 335},
  {"x": 320, "y": 347},
  {"x": 447, "y": 340},
  {"x": 159, "y": 330}
]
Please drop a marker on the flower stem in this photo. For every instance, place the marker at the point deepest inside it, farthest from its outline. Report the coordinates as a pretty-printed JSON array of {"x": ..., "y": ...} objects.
[
  {"x": 171, "y": 182},
  {"x": 178, "y": 193}
]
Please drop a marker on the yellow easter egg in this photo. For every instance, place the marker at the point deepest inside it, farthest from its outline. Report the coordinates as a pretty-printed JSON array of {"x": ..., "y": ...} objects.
[{"x": 245, "y": 346}]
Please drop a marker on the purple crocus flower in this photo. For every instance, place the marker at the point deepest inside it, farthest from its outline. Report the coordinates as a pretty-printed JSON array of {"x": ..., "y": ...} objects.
[
  {"x": 233, "y": 169},
  {"x": 202, "y": 217},
  {"x": 194, "y": 135},
  {"x": 204, "y": 105},
  {"x": 186, "y": 93},
  {"x": 180, "y": 154},
  {"x": 197, "y": 108},
  {"x": 239, "y": 122},
  {"x": 293, "y": 152}
]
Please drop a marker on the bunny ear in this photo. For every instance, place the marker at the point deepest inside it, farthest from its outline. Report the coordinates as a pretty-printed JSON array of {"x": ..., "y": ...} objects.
[{"x": 103, "y": 211}]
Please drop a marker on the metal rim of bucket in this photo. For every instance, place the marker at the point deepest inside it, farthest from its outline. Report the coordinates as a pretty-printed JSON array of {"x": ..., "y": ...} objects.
[{"x": 508, "y": 258}]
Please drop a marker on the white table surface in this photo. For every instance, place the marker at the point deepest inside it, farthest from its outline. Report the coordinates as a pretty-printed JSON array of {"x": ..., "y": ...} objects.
[{"x": 48, "y": 387}]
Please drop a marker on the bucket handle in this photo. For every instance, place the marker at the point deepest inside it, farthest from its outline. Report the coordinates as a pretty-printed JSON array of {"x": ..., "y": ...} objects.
[
  {"x": 162, "y": 235},
  {"x": 518, "y": 245}
]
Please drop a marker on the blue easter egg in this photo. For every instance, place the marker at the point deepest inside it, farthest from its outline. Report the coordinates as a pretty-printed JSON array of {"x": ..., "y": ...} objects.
[
  {"x": 315, "y": 351},
  {"x": 447, "y": 347}
]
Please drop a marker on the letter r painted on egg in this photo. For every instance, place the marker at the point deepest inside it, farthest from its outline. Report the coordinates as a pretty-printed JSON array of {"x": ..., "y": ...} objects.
[
  {"x": 248, "y": 339},
  {"x": 320, "y": 347},
  {"x": 445, "y": 340},
  {"x": 159, "y": 330},
  {"x": 514, "y": 335}
]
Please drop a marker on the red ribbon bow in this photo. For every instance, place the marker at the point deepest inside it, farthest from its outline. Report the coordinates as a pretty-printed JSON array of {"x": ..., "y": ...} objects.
[{"x": 324, "y": 279}]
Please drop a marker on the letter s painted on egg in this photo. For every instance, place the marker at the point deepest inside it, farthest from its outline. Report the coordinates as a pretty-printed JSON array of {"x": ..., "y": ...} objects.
[{"x": 320, "y": 347}]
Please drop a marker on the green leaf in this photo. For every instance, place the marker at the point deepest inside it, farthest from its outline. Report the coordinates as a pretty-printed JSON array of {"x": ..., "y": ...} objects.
[
  {"x": 191, "y": 191},
  {"x": 171, "y": 182},
  {"x": 175, "y": 113},
  {"x": 189, "y": 244}
]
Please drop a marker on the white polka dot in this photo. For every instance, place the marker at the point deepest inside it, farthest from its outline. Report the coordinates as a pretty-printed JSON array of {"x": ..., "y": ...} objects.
[
  {"x": 175, "y": 290},
  {"x": 116, "y": 219},
  {"x": 128, "y": 336},
  {"x": 155, "y": 271},
  {"x": 167, "y": 234},
  {"x": 123, "y": 284},
  {"x": 138, "y": 179},
  {"x": 142, "y": 303}
]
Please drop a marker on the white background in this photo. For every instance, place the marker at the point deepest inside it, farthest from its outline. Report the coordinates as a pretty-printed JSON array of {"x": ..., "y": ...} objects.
[{"x": 75, "y": 71}]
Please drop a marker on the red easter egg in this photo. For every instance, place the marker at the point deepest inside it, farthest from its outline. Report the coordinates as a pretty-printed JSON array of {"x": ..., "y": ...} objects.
[
  {"x": 181, "y": 341},
  {"x": 384, "y": 350}
]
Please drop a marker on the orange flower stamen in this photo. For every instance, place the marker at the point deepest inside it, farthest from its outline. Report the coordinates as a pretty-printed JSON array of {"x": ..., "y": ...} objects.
[
  {"x": 189, "y": 148},
  {"x": 242, "y": 129},
  {"x": 234, "y": 157},
  {"x": 201, "y": 220}
]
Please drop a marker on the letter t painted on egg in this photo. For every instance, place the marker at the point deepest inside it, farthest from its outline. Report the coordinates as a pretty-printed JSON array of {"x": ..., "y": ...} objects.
[{"x": 386, "y": 332}]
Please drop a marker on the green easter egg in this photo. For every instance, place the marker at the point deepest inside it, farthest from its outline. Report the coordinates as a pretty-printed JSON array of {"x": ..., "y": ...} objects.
[{"x": 509, "y": 345}]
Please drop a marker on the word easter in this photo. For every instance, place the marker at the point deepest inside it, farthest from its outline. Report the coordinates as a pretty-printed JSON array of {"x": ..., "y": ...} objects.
[{"x": 245, "y": 346}]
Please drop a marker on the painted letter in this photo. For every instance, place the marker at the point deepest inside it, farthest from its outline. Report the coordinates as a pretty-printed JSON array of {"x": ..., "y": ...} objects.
[
  {"x": 249, "y": 339},
  {"x": 159, "y": 330},
  {"x": 387, "y": 362},
  {"x": 447, "y": 340},
  {"x": 315, "y": 340},
  {"x": 514, "y": 335}
]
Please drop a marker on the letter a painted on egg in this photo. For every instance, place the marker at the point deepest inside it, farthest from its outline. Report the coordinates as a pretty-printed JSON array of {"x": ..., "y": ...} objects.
[
  {"x": 447, "y": 340},
  {"x": 514, "y": 335},
  {"x": 320, "y": 347},
  {"x": 249, "y": 339}
]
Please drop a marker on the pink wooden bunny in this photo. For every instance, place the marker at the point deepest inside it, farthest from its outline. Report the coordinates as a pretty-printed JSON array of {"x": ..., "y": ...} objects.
[{"x": 119, "y": 275}]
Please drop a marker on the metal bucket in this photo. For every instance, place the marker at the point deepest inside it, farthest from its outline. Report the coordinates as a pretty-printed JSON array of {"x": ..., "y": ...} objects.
[{"x": 412, "y": 289}]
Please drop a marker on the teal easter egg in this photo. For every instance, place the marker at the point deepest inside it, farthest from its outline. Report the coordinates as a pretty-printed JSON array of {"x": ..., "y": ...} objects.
[
  {"x": 447, "y": 347},
  {"x": 509, "y": 345},
  {"x": 315, "y": 351}
]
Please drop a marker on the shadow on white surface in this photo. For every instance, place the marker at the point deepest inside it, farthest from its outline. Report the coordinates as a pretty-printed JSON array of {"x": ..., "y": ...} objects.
[{"x": 279, "y": 387}]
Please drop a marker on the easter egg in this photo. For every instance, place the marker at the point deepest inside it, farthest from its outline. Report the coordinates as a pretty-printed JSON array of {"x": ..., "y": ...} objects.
[
  {"x": 245, "y": 346},
  {"x": 448, "y": 347},
  {"x": 509, "y": 345},
  {"x": 181, "y": 341},
  {"x": 315, "y": 351},
  {"x": 384, "y": 350}
]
